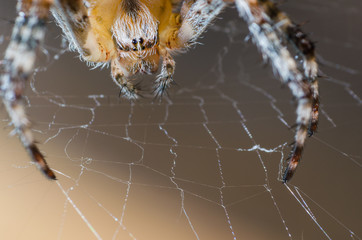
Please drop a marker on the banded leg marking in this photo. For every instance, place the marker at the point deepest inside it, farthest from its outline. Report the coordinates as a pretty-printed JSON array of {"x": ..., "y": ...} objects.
[{"x": 28, "y": 33}]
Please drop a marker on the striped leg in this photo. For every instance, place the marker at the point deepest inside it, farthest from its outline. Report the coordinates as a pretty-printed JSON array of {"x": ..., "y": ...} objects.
[
  {"x": 307, "y": 50},
  {"x": 28, "y": 33},
  {"x": 315, "y": 108},
  {"x": 269, "y": 29}
]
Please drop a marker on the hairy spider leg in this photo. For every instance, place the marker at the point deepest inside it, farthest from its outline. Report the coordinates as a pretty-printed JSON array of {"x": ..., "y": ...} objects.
[
  {"x": 28, "y": 33},
  {"x": 72, "y": 17},
  {"x": 306, "y": 49},
  {"x": 268, "y": 27},
  {"x": 182, "y": 32},
  {"x": 121, "y": 76},
  {"x": 165, "y": 78}
]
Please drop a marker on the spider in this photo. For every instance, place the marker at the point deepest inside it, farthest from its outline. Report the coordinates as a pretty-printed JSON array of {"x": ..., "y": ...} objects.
[{"x": 132, "y": 36}]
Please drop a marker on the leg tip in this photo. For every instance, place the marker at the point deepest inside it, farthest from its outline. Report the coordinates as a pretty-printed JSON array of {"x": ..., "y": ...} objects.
[
  {"x": 39, "y": 160},
  {"x": 289, "y": 171}
]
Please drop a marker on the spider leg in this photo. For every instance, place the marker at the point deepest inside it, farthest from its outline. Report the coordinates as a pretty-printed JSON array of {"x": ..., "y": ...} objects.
[
  {"x": 304, "y": 115},
  {"x": 306, "y": 48},
  {"x": 269, "y": 29},
  {"x": 195, "y": 15},
  {"x": 28, "y": 33},
  {"x": 165, "y": 78},
  {"x": 120, "y": 76},
  {"x": 315, "y": 108},
  {"x": 72, "y": 17},
  {"x": 182, "y": 31}
]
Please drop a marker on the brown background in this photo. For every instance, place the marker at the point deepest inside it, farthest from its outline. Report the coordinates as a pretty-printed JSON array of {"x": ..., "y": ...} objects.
[{"x": 118, "y": 174}]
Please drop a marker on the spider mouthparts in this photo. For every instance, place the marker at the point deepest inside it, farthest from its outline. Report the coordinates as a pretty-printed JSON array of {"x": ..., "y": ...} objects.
[{"x": 39, "y": 160}]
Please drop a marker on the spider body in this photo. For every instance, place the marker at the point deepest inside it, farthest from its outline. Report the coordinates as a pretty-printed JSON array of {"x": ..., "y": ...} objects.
[{"x": 134, "y": 36}]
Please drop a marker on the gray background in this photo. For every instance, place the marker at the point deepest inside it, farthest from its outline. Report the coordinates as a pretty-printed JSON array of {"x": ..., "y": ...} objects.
[{"x": 150, "y": 170}]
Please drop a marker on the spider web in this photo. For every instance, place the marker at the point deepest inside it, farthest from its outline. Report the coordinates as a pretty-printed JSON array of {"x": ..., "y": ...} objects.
[{"x": 202, "y": 164}]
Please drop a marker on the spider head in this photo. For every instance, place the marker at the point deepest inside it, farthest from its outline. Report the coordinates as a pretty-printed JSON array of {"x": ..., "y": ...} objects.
[
  {"x": 135, "y": 29},
  {"x": 135, "y": 32}
]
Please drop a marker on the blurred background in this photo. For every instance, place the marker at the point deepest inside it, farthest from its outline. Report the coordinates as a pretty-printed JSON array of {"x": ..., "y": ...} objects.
[{"x": 203, "y": 163}]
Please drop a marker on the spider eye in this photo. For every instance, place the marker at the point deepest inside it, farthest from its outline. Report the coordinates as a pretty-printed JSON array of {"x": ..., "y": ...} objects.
[
  {"x": 141, "y": 40},
  {"x": 134, "y": 41}
]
